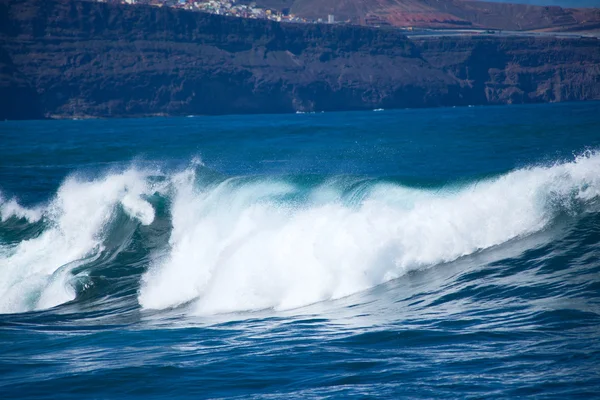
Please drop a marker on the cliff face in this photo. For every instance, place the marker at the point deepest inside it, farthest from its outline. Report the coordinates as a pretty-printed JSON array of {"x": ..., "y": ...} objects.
[
  {"x": 518, "y": 70},
  {"x": 70, "y": 58}
]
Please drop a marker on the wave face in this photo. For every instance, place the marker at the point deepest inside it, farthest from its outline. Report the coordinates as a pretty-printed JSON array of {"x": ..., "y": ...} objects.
[
  {"x": 36, "y": 271},
  {"x": 248, "y": 244},
  {"x": 406, "y": 254},
  {"x": 254, "y": 243}
]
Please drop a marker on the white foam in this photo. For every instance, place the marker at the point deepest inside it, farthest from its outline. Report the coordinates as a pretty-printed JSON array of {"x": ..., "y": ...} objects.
[
  {"x": 35, "y": 274},
  {"x": 12, "y": 209},
  {"x": 241, "y": 246}
]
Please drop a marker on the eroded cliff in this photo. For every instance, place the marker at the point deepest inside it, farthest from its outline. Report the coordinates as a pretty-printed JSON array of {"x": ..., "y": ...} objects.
[{"x": 67, "y": 58}]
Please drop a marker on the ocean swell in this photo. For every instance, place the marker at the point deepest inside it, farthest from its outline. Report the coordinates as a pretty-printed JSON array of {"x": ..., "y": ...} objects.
[
  {"x": 250, "y": 242},
  {"x": 35, "y": 273},
  {"x": 256, "y": 243}
]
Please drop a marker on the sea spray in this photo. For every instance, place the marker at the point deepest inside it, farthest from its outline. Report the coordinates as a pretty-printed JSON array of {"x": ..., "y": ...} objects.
[
  {"x": 35, "y": 273},
  {"x": 240, "y": 245},
  {"x": 12, "y": 209},
  {"x": 247, "y": 243}
]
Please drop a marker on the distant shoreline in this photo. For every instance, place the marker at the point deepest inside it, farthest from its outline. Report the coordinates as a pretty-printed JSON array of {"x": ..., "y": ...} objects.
[
  {"x": 375, "y": 111},
  {"x": 73, "y": 59}
]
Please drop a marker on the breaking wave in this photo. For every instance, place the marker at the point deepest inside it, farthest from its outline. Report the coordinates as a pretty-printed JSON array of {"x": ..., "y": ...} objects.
[{"x": 249, "y": 243}]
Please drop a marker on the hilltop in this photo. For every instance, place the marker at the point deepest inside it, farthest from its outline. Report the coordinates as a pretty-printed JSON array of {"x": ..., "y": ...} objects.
[{"x": 443, "y": 14}]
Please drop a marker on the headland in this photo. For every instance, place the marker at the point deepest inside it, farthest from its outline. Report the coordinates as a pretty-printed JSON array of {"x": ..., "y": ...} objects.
[{"x": 69, "y": 58}]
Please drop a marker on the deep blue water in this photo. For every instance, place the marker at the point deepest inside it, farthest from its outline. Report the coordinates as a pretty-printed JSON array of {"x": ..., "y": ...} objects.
[{"x": 445, "y": 253}]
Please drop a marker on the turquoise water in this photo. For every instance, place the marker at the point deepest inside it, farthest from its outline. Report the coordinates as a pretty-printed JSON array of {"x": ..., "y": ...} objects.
[{"x": 395, "y": 254}]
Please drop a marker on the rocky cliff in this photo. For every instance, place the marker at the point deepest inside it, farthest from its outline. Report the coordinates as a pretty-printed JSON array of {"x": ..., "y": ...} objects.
[
  {"x": 518, "y": 70},
  {"x": 67, "y": 58}
]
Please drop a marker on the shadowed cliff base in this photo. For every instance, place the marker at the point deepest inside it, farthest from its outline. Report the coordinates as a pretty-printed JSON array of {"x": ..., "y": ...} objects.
[{"x": 84, "y": 59}]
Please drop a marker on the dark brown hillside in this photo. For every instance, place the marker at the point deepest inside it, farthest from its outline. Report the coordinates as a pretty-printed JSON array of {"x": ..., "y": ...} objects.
[{"x": 66, "y": 58}]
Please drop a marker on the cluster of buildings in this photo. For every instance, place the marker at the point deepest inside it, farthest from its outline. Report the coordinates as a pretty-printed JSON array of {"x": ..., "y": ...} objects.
[{"x": 226, "y": 7}]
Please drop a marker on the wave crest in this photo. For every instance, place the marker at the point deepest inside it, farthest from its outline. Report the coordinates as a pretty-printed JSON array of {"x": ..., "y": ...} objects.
[
  {"x": 249, "y": 243},
  {"x": 35, "y": 274}
]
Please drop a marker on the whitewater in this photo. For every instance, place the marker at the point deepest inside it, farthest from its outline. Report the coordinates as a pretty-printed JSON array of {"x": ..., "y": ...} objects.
[
  {"x": 325, "y": 255},
  {"x": 251, "y": 243}
]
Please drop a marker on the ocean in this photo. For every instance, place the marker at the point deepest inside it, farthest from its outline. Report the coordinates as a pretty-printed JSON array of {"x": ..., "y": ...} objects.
[{"x": 431, "y": 253}]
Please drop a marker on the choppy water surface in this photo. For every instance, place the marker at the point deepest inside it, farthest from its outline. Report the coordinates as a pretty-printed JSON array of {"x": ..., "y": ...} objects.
[{"x": 422, "y": 253}]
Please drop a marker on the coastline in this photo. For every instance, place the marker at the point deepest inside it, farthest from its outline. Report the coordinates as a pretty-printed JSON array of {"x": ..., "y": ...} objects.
[{"x": 178, "y": 63}]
